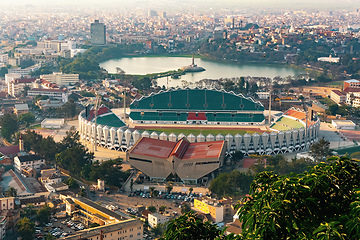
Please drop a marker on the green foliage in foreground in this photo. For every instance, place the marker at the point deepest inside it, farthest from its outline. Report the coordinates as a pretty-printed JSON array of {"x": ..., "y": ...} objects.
[
  {"x": 191, "y": 226},
  {"x": 322, "y": 203}
]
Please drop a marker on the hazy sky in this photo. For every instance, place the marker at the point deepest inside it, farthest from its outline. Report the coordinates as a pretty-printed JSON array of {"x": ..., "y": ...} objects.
[{"x": 296, "y": 4}]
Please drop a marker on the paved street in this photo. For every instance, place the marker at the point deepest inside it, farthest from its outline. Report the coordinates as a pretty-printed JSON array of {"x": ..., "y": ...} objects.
[{"x": 329, "y": 133}]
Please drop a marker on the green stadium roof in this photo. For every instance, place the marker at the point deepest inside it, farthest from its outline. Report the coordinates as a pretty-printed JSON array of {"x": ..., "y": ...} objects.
[
  {"x": 195, "y": 100},
  {"x": 110, "y": 120}
]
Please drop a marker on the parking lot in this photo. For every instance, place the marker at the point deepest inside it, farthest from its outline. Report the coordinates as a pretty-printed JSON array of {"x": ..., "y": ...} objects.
[
  {"x": 58, "y": 228},
  {"x": 123, "y": 201}
]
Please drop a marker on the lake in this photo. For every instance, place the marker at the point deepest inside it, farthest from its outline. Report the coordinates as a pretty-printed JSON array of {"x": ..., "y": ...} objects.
[{"x": 214, "y": 70}]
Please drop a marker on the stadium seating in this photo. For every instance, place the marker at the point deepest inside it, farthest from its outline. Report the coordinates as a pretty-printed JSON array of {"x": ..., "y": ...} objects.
[
  {"x": 284, "y": 123},
  {"x": 109, "y": 120}
]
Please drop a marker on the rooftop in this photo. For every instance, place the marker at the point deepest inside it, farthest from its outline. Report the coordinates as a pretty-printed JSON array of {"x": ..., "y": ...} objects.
[
  {"x": 352, "y": 81},
  {"x": 153, "y": 147},
  {"x": 46, "y": 90},
  {"x": 203, "y": 150},
  {"x": 182, "y": 149},
  {"x": 21, "y": 107},
  {"x": 337, "y": 92},
  {"x": 28, "y": 158},
  {"x": 93, "y": 232},
  {"x": 9, "y": 150}
]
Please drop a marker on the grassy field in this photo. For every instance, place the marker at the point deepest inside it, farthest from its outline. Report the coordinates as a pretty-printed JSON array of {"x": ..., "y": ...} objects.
[
  {"x": 336, "y": 84},
  {"x": 326, "y": 101},
  {"x": 196, "y": 132},
  {"x": 36, "y": 126}
]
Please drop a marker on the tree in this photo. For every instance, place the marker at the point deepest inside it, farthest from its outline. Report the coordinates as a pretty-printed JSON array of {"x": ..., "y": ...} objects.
[
  {"x": 74, "y": 159},
  {"x": 82, "y": 192},
  {"x": 29, "y": 210},
  {"x": 321, "y": 203},
  {"x": 27, "y": 119},
  {"x": 72, "y": 139},
  {"x": 131, "y": 185},
  {"x": 24, "y": 92},
  {"x": 26, "y": 229},
  {"x": 49, "y": 237},
  {"x": 43, "y": 215},
  {"x": 237, "y": 156},
  {"x": 185, "y": 208},
  {"x": 169, "y": 187},
  {"x": 152, "y": 209},
  {"x": 3, "y": 71},
  {"x": 94, "y": 225},
  {"x": 158, "y": 230},
  {"x": 72, "y": 183},
  {"x": 162, "y": 208},
  {"x": 333, "y": 109},
  {"x": 9, "y": 125},
  {"x": 320, "y": 150},
  {"x": 190, "y": 226},
  {"x": 11, "y": 192},
  {"x": 110, "y": 171}
]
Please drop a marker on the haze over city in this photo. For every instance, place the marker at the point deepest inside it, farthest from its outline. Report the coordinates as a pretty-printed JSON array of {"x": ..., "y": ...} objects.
[
  {"x": 179, "y": 119},
  {"x": 200, "y": 5}
]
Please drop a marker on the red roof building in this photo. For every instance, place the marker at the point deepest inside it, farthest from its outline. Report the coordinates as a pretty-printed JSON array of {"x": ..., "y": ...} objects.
[{"x": 160, "y": 159}]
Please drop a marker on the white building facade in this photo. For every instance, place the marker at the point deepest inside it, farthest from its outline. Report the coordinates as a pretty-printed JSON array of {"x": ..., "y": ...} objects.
[
  {"x": 57, "y": 94},
  {"x": 156, "y": 218},
  {"x": 276, "y": 142},
  {"x": 61, "y": 79},
  {"x": 33, "y": 161}
]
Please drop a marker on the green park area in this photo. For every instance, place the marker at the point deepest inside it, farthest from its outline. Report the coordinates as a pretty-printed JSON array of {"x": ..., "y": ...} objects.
[{"x": 196, "y": 132}]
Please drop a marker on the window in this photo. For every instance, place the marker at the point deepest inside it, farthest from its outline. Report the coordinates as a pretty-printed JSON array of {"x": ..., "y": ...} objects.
[{"x": 131, "y": 235}]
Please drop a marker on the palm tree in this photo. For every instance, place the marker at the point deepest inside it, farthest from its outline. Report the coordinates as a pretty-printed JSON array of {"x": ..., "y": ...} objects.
[
  {"x": 190, "y": 190},
  {"x": 152, "y": 189},
  {"x": 169, "y": 187},
  {"x": 131, "y": 185}
]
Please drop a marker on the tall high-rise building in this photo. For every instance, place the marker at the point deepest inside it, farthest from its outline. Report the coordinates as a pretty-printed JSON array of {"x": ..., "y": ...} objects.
[{"x": 98, "y": 33}]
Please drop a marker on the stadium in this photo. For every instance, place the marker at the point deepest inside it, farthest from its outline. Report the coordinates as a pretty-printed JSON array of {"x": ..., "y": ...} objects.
[
  {"x": 199, "y": 109},
  {"x": 197, "y": 106}
]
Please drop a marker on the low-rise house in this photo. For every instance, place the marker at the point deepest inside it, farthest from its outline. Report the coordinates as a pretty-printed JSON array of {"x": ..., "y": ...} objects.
[
  {"x": 28, "y": 172},
  {"x": 56, "y": 187},
  {"x": 37, "y": 201},
  {"x": 156, "y": 218},
  {"x": 21, "y": 109}
]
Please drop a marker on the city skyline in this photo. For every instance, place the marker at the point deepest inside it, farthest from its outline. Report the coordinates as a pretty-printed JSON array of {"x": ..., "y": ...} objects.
[{"x": 168, "y": 5}]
